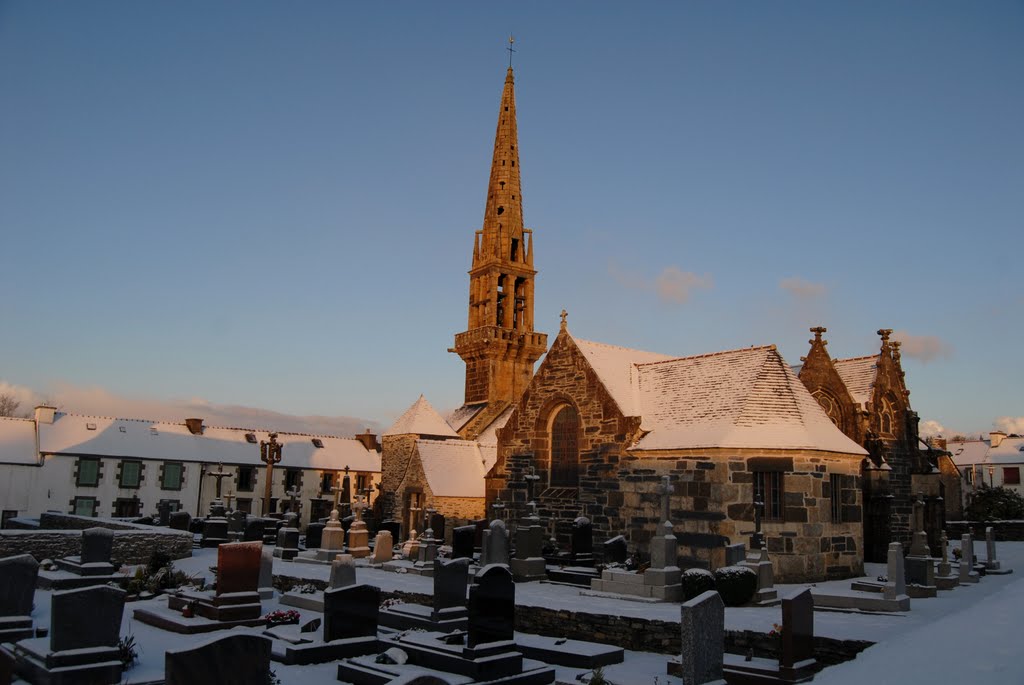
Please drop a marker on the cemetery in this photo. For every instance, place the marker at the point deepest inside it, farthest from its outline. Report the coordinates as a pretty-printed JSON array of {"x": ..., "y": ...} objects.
[{"x": 467, "y": 612}]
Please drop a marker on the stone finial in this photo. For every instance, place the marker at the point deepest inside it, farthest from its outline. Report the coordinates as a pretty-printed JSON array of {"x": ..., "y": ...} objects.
[
  {"x": 818, "y": 330},
  {"x": 885, "y": 333},
  {"x": 564, "y": 315}
]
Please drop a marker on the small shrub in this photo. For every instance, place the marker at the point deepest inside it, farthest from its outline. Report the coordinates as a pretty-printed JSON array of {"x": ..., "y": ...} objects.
[
  {"x": 993, "y": 504},
  {"x": 127, "y": 650},
  {"x": 696, "y": 581},
  {"x": 736, "y": 584},
  {"x": 158, "y": 560},
  {"x": 597, "y": 677}
]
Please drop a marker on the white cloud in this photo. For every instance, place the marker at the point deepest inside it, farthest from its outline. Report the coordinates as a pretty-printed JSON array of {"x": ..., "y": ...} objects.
[
  {"x": 25, "y": 397},
  {"x": 99, "y": 401},
  {"x": 924, "y": 348},
  {"x": 798, "y": 287},
  {"x": 672, "y": 285},
  {"x": 1010, "y": 424},
  {"x": 931, "y": 427}
]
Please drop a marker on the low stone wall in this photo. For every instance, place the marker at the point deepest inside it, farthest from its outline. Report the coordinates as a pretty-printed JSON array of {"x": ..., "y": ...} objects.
[
  {"x": 130, "y": 546},
  {"x": 1003, "y": 530},
  {"x": 52, "y": 520},
  {"x": 639, "y": 634}
]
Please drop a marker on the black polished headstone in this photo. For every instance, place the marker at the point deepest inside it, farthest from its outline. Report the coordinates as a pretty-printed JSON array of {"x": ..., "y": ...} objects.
[
  {"x": 196, "y": 525},
  {"x": 450, "y": 580},
  {"x": 797, "y": 628},
  {"x": 17, "y": 584},
  {"x": 180, "y": 520},
  {"x": 437, "y": 523},
  {"x": 239, "y": 658},
  {"x": 582, "y": 538},
  {"x": 87, "y": 617},
  {"x": 392, "y": 526},
  {"x": 97, "y": 544},
  {"x": 615, "y": 551},
  {"x": 255, "y": 530},
  {"x": 163, "y": 510},
  {"x": 314, "y": 533},
  {"x": 480, "y": 526},
  {"x": 492, "y": 606},
  {"x": 351, "y": 612},
  {"x": 463, "y": 539}
]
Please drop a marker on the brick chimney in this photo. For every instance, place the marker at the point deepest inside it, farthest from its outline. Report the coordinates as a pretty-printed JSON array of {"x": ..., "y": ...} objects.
[
  {"x": 45, "y": 414},
  {"x": 938, "y": 442},
  {"x": 369, "y": 440},
  {"x": 996, "y": 438},
  {"x": 195, "y": 426}
]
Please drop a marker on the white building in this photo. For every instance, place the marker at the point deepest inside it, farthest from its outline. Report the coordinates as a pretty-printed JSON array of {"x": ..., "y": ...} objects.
[
  {"x": 101, "y": 466},
  {"x": 996, "y": 462}
]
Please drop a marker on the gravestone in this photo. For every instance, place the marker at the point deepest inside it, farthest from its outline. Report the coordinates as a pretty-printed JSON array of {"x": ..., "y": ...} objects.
[
  {"x": 411, "y": 547},
  {"x": 450, "y": 580},
  {"x": 343, "y": 571},
  {"x": 437, "y": 523},
  {"x": 392, "y": 526},
  {"x": 760, "y": 563},
  {"x": 383, "y": 548},
  {"x": 615, "y": 550},
  {"x": 480, "y": 525},
  {"x": 94, "y": 560},
  {"x": 896, "y": 586},
  {"x": 497, "y": 545},
  {"x": 85, "y": 626},
  {"x": 797, "y": 629},
  {"x": 266, "y": 581},
  {"x": 17, "y": 588},
  {"x": 163, "y": 512},
  {"x": 287, "y": 547},
  {"x": 992, "y": 564},
  {"x": 492, "y": 606},
  {"x": 702, "y": 622},
  {"x": 255, "y": 529},
  {"x": 238, "y": 567},
  {"x": 582, "y": 542},
  {"x": 314, "y": 534},
  {"x": 236, "y": 525},
  {"x": 735, "y": 554},
  {"x": 463, "y": 539},
  {"x": 88, "y": 617},
  {"x": 351, "y": 612},
  {"x": 967, "y": 572},
  {"x": 238, "y": 658},
  {"x": 180, "y": 520}
]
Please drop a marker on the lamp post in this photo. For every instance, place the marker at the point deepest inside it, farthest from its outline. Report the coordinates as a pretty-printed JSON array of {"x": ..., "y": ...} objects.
[
  {"x": 991, "y": 476},
  {"x": 270, "y": 454}
]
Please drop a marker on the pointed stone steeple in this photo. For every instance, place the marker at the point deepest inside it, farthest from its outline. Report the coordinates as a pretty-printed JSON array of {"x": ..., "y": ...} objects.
[{"x": 500, "y": 346}]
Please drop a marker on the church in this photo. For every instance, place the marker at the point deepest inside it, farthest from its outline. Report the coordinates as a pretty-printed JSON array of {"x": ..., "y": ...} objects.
[{"x": 593, "y": 431}]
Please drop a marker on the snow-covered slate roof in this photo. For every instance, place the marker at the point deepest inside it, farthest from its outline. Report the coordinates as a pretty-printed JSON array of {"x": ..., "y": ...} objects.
[
  {"x": 969, "y": 452},
  {"x": 1010, "y": 451},
  {"x": 748, "y": 398},
  {"x": 489, "y": 435},
  {"x": 461, "y": 416},
  {"x": 17, "y": 441},
  {"x": 858, "y": 374},
  {"x": 616, "y": 367},
  {"x": 421, "y": 419},
  {"x": 454, "y": 468},
  {"x": 110, "y": 437}
]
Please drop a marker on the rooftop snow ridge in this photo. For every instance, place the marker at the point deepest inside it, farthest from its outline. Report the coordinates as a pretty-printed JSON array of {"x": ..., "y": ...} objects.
[{"x": 752, "y": 348}]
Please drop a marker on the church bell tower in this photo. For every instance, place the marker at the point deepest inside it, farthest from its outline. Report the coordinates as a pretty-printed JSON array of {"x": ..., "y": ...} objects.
[{"x": 500, "y": 346}]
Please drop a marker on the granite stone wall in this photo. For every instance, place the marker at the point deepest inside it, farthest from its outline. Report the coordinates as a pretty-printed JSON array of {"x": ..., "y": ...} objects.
[{"x": 130, "y": 546}]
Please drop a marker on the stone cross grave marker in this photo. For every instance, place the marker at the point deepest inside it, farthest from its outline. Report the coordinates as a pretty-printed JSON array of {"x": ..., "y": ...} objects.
[
  {"x": 702, "y": 622},
  {"x": 492, "y": 606},
  {"x": 293, "y": 499}
]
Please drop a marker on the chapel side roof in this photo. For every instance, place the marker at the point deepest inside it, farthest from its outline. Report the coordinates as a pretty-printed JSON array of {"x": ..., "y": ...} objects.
[
  {"x": 616, "y": 369},
  {"x": 421, "y": 419},
  {"x": 454, "y": 468},
  {"x": 969, "y": 452},
  {"x": 489, "y": 435},
  {"x": 136, "y": 438},
  {"x": 17, "y": 441},
  {"x": 747, "y": 398},
  {"x": 460, "y": 416},
  {"x": 859, "y": 375}
]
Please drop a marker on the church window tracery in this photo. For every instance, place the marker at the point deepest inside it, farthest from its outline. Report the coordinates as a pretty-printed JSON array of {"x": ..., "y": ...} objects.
[
  {"x": 565, "y": 456},
  {"x": 830, "y": 405}
]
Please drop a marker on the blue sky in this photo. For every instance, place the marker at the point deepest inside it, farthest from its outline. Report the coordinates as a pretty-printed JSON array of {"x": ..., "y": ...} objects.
[{"x": 272, "y": 204}]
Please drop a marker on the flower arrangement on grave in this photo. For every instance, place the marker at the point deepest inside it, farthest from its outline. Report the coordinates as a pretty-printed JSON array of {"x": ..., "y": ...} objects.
[
  {"x": 189, "y": 610},
  {"x": 388, "y": 603},
  {"x": 282, "y": 617},
  {"x": 958, "y": 553},
  {"x": 306, "y": 589}
]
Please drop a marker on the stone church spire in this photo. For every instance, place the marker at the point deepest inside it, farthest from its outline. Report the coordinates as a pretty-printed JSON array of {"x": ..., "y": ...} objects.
[{"x": 500, "y": 346}]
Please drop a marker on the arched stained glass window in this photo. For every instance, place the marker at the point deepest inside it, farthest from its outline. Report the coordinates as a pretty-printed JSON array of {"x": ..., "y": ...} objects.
[{"x": 565, "y": 451}]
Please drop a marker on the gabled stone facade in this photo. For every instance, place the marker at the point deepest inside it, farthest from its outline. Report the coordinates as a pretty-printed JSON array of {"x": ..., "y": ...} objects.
[
  {"x": 712, "y": 487},
  {"x": 867, "y": 398}
]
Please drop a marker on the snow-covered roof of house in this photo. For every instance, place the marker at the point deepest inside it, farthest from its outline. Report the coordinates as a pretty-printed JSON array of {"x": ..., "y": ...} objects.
[
  {"x": 858, "y": 374},
  {"x": 135, "y": 438},
  {"x": 421, "y": 419},
  {"x": 17, "y": 441},
  {"x": 968, "y": 452},
  {"x": 616, "y": 367},
  {"x": 747, "y": 398},
  {"x": 1009, "y": 451},
  {"x": 454, "y": 468}
]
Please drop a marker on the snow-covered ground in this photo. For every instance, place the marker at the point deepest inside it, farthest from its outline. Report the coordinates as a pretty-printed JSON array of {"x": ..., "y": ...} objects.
[{"x": 968, "y": 635}]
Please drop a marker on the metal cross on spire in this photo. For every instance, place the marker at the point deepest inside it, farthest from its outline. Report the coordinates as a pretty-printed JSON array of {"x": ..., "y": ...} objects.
[{"x": 511, "y": 40}]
